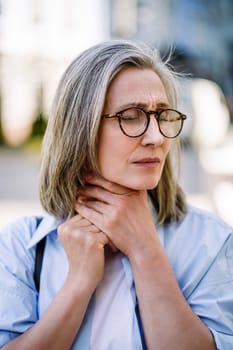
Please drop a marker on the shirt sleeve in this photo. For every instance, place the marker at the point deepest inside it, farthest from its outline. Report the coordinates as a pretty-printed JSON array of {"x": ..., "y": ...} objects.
[
  {"x": 18, "y": 296},
  {"x": 212, "y": 299}
]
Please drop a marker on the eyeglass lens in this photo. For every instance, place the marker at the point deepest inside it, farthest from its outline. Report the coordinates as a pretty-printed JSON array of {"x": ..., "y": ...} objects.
[{"x": 134, "y": 122}]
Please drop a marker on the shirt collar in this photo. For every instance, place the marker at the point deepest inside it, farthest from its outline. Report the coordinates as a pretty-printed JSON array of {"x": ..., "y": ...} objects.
[{"x": 47, "y": 225}]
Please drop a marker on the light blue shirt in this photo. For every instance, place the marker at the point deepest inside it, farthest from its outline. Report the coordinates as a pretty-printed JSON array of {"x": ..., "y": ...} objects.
[{"x": 200, "y": 250}]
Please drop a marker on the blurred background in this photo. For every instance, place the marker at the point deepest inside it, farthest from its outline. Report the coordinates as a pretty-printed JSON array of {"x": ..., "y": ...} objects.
[{"x": 39, "y": 38}]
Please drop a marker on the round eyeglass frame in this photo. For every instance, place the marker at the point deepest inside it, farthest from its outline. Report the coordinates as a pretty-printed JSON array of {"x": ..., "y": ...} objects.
[{"x": 157, "y": 115}]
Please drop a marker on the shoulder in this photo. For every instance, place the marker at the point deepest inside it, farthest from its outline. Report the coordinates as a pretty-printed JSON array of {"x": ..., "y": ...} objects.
[
  {"x": 208, "y": 235},
  {"x": 206, "y": 228},
  {"x": 26, "y": 232},
  {"x": 18, "y": 296},
  {"x": 14, "y": 239},
  {"x": 18, "y": 241},
  {"x": 197, "y": 215},
  {"x": 18, "y": 233},
  {"x": 206, "y": 272},
  {"x": 201, "y": 227},
  {"x": 197, "y": 243}
]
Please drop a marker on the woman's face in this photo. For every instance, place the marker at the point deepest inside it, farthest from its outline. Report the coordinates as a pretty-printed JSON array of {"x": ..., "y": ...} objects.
[{"x": 136, "y": 163}]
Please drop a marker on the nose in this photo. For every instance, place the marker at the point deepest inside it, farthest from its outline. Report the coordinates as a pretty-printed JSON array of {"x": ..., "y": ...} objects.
[{"x": 152, "y": 135}]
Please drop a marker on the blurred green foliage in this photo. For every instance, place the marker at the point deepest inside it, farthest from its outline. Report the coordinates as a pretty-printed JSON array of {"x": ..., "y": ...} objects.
[
  {"x": 38, "y": 129},
  {"x": 1, "y": 135},
  {"x": 39, "y": 125}
]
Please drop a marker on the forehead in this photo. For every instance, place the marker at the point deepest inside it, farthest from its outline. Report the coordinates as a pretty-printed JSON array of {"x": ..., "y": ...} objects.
[{"x": 135, "y": 86}]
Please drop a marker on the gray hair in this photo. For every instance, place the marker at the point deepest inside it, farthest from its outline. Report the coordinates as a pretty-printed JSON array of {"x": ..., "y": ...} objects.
[{"x": 70, "y": 142}]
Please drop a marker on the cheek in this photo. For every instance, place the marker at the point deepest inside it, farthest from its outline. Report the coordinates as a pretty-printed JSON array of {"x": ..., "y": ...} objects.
[
  {"x": 107, "y": 151},
  {"x": 110, "y": 164},
  {"x": 113, "y": 153},
  {"x": 166, "y": 146}
]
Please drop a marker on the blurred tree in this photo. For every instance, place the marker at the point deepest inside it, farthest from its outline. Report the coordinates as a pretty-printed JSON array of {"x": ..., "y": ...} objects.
[
  {"x": 39, "y": 123},
  {"x": 39, "y": 126}
]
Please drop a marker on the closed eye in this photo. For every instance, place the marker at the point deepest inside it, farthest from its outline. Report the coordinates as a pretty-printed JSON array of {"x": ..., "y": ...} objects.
[{"x": 129, "y": 117}]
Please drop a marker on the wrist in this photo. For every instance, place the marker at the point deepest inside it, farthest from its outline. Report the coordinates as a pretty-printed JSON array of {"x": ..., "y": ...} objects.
[
  {"x": 148, "y": 257},
  {"x": 79, "y": 287}
]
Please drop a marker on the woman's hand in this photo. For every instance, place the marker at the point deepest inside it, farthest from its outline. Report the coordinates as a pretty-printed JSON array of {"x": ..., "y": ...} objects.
[
  {"x": 123, "y": 214},
  {"x": 125, "y": 217},
  {"x": 84, "y": 245}
]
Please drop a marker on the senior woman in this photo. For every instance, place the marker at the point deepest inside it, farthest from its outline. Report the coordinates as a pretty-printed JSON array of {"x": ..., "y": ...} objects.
[{"x": 127, "y": 264}]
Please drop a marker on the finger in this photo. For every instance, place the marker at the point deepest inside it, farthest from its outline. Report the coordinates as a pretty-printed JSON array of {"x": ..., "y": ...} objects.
[
  {"x": 91, "y": 215},
  {"x": 80, "y": 220},
  {"x": 98, "y": 204},
  {"x": 108, "y": 185},
  {"x": 93, "y": 228},
  {"x": 102, "y": 195},
  {"x": 77, "y": 219},
  {"x": 103, "y": 238},
  {"x": 94, "y": 192}
]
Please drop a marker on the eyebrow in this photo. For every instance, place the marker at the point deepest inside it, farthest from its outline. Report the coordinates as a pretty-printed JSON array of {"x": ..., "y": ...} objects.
[{"x": 159, "y": 105}]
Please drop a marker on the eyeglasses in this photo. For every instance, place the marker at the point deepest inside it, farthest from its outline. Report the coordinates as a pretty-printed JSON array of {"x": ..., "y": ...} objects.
[{"x": 134, "y": 121}]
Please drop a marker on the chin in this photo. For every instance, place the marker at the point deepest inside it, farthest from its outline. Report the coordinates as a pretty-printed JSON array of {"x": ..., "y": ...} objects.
[
  {"x": 136, "y": 183},
  {"x": 142, "y": 186}
]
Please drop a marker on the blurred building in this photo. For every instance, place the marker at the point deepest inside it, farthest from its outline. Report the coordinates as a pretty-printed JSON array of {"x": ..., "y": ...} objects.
[{"x": 198, "y": 29}]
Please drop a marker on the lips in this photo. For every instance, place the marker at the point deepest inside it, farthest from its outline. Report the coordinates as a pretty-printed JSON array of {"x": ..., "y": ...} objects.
[{"x": 155, "y": 160}]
